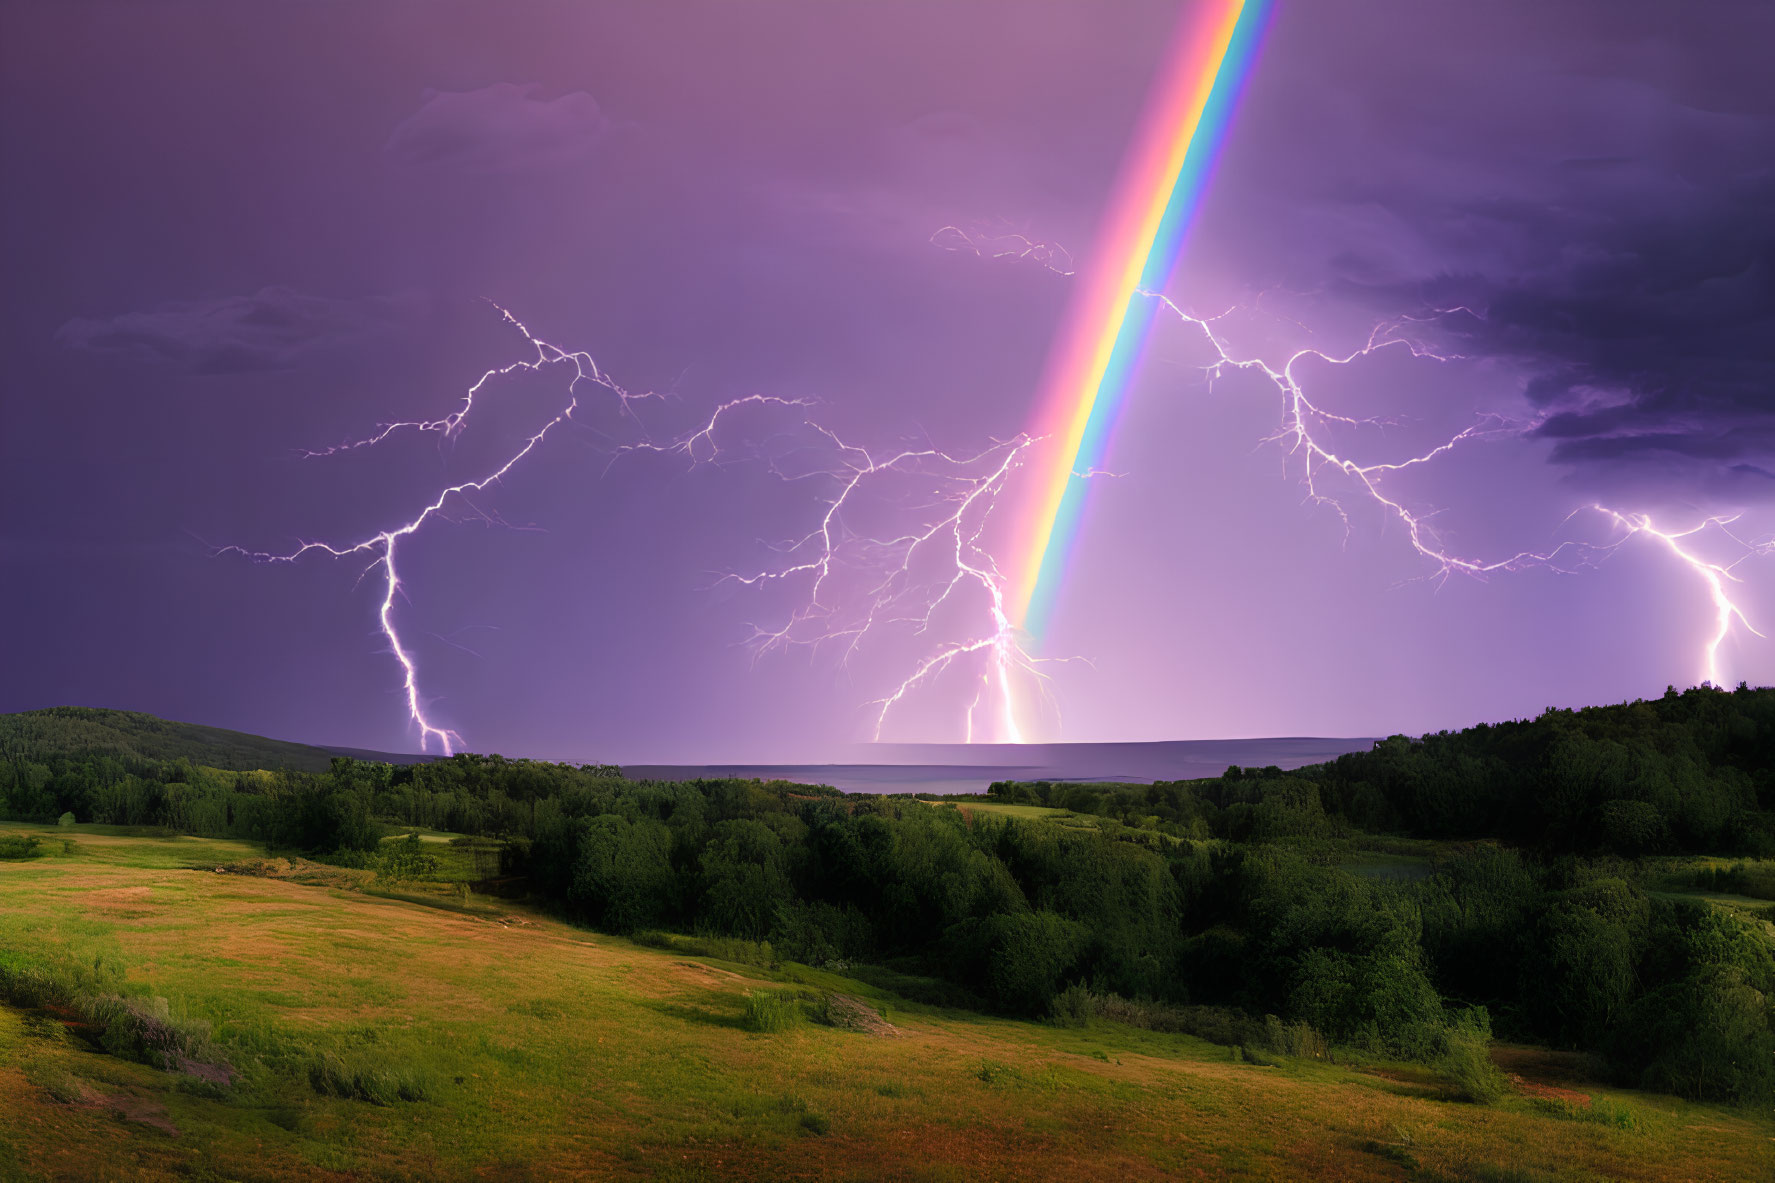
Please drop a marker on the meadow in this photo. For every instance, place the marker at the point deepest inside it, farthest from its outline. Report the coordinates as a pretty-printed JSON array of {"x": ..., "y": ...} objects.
[{"x": 544, "y": 1051}]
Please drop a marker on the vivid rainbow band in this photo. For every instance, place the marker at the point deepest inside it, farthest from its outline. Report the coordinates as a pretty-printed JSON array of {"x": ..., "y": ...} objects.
[{"x": 1162, "y": 180}]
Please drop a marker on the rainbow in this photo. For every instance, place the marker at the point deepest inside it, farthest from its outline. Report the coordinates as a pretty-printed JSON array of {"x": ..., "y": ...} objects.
[{"x": 1093, "y": 359}]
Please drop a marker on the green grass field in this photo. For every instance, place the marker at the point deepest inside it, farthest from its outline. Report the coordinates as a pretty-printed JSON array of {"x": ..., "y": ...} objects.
[{"x": 553, "y": 1053}]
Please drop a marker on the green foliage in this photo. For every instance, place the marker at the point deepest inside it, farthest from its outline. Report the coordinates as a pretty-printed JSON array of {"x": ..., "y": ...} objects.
[
  {"x": 404, "y": 860},
  {"x": 1017, "y": 959},
  {"x": 1074, "y": 1006},
  {"x": 129, "y": 1027},
  {"x": 330, "y": 1076},
  {"x": 1613, "y": 1114},
  {"x": 66, "y": 821},
  {"x": 623, "y": 878},
  {"x": 144, "y": 1029},
  {"x": 131, "y": 734},
  {"x": 768, "y": 1012},
  {"x": 1755, "y": 879},
  {"x": 1218, "y": 907},
  {"x": 20, "y": 846},
  {"x": 1466, "y": 1064},
  {"x": 1299, "y": 1040},
  {"x": 744, "y": 879}
]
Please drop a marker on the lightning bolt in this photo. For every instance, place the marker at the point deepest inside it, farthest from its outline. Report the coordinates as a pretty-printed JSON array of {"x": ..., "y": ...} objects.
[
  {"x": 381, "y": 546},
  {"x": 854, "y": 583},
  {"x": 860, "y": 583},
  {"x": 1715, "y": 576},
  {"x": 1301, "y": 433}
]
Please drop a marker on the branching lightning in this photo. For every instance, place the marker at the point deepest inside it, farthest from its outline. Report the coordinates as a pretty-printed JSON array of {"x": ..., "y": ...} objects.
[
  {"x": 854, "y": 583},
  {"x": 1302, "y": 434},
  {"x": 860, "y": 582}
]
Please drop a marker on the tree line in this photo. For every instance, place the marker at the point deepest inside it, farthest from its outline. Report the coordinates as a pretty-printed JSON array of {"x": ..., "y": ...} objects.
[{"x": 1530, "y": 921}]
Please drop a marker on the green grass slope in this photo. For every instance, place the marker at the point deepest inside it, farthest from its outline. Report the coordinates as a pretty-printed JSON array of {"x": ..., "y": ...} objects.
[{"x": 542, "y": 1051}]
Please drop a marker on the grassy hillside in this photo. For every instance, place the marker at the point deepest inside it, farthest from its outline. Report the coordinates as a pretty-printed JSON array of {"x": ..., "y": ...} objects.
[
  {"x": 87, "y": 731},
  {"x": 551, "y": 1053}
]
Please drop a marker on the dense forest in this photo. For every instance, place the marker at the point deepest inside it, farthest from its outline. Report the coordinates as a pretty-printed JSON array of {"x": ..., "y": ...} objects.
[{"x": 1532, "y": 916}]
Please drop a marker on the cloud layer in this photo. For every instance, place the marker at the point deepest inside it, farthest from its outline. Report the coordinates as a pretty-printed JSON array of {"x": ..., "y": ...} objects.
[
  {"x": 271, "y": 329},
  {"x": 501, "y": 128}
]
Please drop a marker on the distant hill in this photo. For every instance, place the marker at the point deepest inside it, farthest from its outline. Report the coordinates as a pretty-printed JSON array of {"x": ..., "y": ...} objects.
[{"x": 75, "y": 731}]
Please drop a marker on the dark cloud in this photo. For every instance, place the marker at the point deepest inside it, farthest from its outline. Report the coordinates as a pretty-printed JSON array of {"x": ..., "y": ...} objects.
[
  {"x": 272, "y": 329},
  {"x": 1648, "y": 338},
  {"x": 501, "y": 128}
]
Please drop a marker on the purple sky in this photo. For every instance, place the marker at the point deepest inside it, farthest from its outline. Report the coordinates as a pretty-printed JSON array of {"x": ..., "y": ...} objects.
[{"x": 236, "y": 231}]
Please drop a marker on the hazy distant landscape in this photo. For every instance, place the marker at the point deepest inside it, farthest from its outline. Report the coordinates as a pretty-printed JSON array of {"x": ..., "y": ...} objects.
[{"x": 970, "y": 768}]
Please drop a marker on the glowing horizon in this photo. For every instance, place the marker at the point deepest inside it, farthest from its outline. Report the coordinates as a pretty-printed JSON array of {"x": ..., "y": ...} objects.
[{"x": 1093, "y": 359}]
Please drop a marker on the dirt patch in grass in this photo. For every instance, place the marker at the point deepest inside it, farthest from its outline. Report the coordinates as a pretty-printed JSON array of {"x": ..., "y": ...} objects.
[
  {"x": 1550, "y": 1092},
  {"x": 298, "y": 870},
  {"x": 1545, "y": 1073},
  {"x": 141, "y": 1111},
  {"x": 847, "y": 1012}
]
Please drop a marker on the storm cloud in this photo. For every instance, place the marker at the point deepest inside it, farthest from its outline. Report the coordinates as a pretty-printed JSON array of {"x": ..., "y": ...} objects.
[
  {"x": 501, "y": 128},
  {"x": 271, "y": 329},
  {"x": 1647, "y": 342}
]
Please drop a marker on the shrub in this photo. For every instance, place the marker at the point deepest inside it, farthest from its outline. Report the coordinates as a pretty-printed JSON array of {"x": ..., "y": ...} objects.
[
  {"x": 1293, "y": 1039},
  {"x": 1467, "y": 1066},
  {"x": 66, "y": 821},
  {"x": 143, "y": 1029},
  {"x": 1077, "y": 1005},
  {"x": 406, "y": 859},
  {"x": 734, "y": 949},
  {"x": 329, "y": 1076},
  {"x": 1074, "y": 1006},
  {"x": 768, "y": 1011},
  {"x": 1613, "y": 1114},
  {"x": 20, "y": 846},
  {"x": 28, "y": 986}
]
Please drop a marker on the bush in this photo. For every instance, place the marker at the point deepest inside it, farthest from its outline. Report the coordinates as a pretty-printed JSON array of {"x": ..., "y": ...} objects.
[
  {"x": 403, "y": 860},
  {"x": 143, "y": 1029},
  {"x": 1467, "y": 1066},
  {"x": 66, "y": 821},
  {"x": 1293, "y": 1039},
  {"x": 28, "y": 986},
  {"x": 1077, "y": 1005},
  {"x": 20, "y": 846},
  {"x": 329, "y": 1076},
  {"x": 1613, "y": 1114},
  {"x": 734, "y": 949},
  {"x": 1074, "y": 1006},
  {"x": 140, "y": 1029},
  {"x": 768, "y": 1011}
]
